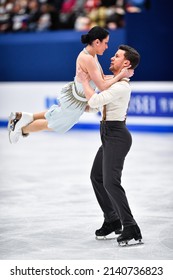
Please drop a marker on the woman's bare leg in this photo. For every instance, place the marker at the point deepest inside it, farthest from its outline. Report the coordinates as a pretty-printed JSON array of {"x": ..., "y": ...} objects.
[
  {"x": 39, "y": 123},
  {"x": 38, "y": 116},
  {"x": 35, "y": 126},
  {"x": 24, "y": 123}
]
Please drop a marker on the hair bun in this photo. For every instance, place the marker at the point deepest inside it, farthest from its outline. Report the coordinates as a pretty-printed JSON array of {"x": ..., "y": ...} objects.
[{"x": 85, "y": 38}]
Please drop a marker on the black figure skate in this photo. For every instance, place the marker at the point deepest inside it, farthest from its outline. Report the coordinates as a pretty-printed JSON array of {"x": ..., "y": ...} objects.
[
  {"x": 130, "y": 236},
  {"x": 107, "y": 228}
]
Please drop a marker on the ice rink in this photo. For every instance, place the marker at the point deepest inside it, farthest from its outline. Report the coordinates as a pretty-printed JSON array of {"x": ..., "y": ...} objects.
[{"x": 48, "y": 209}]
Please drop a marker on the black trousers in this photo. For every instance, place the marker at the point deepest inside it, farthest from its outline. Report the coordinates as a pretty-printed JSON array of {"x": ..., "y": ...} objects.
[{"x": 107, "y": 171}]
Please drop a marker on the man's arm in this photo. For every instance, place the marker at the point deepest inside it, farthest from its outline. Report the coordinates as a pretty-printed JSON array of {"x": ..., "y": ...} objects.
[{"x": 84, "y": 79}]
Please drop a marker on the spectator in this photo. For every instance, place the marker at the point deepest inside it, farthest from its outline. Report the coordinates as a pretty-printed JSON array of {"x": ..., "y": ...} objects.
[
  {"x": 67, "y": 14},
  {"x": 82, "y": 23},
  {"x": 48, "y": 19},
  {"x": 81, "y": 15},
  {"x": 115, "y": 21},
  {"x": 44, "y": 21},
  {"x": 34, "y": 14},
  {"x": 137, "y": 6},
  {"x": 5, "y": 15},
  {"x": 19, "y": 16}
]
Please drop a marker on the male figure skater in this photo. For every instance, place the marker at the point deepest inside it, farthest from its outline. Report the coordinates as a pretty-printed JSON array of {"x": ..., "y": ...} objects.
[{"x": 116, "y": 142}]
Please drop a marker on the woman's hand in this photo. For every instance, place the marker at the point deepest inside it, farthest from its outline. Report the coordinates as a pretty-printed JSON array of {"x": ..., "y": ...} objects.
[
  {"x": 81, "y": 75},
  {"x": 127, "y": 72}
]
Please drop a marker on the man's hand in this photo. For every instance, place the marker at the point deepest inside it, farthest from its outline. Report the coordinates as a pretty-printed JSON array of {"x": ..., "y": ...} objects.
[{"x": 81, "y": 75}]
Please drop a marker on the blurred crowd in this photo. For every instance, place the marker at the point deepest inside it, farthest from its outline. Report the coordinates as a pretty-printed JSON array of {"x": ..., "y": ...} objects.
[{"x": 80, "y": 15}]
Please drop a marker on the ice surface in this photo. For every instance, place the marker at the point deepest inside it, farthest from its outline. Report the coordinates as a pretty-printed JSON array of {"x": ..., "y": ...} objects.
[{"x": 48, "y": 209}]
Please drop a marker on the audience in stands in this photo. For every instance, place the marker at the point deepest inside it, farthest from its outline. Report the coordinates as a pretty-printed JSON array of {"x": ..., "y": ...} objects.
[{"x": 80, "y": 15}]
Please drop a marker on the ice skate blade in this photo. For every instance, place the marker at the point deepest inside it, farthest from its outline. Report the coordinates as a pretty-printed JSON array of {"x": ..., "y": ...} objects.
[
  {"x": 130, "y": 243},
  {"x": 9, "y": 137},
  {"x": 106, "y": 237}
]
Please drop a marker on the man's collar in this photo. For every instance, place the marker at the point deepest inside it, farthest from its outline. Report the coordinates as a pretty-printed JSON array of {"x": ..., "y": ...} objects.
[{"x": 125, "y": 79}]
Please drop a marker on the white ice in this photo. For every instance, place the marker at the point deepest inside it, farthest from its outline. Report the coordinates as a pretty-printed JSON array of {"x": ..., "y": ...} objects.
[{"x": 48, "y": 209}]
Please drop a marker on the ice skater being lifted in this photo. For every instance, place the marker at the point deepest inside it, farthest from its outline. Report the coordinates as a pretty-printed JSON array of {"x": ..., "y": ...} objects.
[{"x": 72, "y": 102}]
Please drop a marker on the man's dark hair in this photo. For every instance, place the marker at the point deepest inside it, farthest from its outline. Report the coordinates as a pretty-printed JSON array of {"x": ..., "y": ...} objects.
[{"x": 131, "y": 54}]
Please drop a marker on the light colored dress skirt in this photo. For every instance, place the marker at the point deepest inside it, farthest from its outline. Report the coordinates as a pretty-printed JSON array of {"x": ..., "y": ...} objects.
[{"x": 70, "y": 107}]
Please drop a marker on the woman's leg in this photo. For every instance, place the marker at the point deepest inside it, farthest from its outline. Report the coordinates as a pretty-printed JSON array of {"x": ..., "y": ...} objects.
[
  {"x": 35, "y": 126},
  {"x": 22, "y": 123},
  {"x": 38, "y": 116},
  {"x": 39, "y": 123}
]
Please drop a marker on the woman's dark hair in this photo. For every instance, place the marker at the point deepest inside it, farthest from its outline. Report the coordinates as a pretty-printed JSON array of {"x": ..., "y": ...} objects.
[
  {"x": 94, "y": 33},
  {"x": 131, "y": 54}
]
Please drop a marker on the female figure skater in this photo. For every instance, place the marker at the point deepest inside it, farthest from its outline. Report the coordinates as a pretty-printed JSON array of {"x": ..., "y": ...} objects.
[{"x": 71, "y": 100}]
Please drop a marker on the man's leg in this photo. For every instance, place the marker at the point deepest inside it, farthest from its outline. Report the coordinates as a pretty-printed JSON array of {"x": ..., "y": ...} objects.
[
  {"x": 111, "y": 219},
  {"x": 113, "y": 161},
  {"x": 115, "y": 151}
]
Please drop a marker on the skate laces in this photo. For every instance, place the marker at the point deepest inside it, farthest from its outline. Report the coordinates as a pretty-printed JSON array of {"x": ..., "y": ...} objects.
[
  {"x": 13, "y": 124},
  {"x": 15, "y": 120}
]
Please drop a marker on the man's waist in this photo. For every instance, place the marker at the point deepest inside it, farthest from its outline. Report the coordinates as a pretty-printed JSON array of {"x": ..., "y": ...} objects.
[{"x": 112, "y": 122}]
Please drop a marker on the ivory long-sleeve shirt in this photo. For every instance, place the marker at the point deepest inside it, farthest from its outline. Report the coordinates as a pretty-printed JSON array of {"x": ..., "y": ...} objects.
[{"x": 116, "y": 98}]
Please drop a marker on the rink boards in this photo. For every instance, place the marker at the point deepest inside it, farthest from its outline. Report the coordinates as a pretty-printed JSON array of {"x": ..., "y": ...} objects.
[{"x": 150, "y": 108}]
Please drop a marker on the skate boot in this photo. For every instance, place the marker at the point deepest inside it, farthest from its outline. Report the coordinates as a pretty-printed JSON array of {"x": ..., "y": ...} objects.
[
  {"x": 130, "y": 233},
  {"x": 107, "y": 228},
  {"x": 15, "y": 124}
]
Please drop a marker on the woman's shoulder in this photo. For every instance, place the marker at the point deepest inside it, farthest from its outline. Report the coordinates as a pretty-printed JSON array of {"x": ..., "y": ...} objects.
[{"x": 85, "y": 57}]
